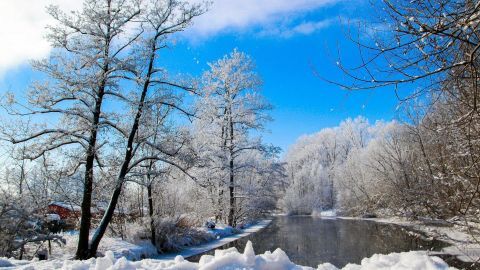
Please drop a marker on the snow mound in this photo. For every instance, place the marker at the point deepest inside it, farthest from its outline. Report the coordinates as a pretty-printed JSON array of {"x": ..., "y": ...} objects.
[
  {"x": 5, "y": 263},
  {"x": 230, "y": 259},
  {"x": 325, "y": 213},
  {"x": 414, "y": 260}
]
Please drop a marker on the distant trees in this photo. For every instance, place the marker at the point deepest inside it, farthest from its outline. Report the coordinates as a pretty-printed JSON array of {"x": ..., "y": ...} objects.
[
  {"x": 313, "y": 164},
  {"x": 371, "y": 178},
  {"x": 409, "y": 169}
]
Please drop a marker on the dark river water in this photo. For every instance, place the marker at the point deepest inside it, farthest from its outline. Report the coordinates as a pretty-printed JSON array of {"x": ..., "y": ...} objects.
[{"x": 310, "y": 241}]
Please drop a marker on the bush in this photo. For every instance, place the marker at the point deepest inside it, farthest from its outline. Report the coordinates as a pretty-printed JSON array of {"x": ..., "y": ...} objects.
[
  {"x": 20, "y": 227},
  {"x": 138, "y": 231},
  {"x": 173, "y": 234}
]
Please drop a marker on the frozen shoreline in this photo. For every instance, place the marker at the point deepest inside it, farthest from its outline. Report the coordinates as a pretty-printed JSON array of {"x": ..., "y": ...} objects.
[
  {"x": 196, "y": 250},
  {"x": 463, "y": 245},
  {"x": 230, "y": 259}
]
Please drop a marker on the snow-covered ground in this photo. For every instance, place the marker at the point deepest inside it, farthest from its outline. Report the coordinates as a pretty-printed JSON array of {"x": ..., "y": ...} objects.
[
  {"x": 119, "y": 248},
  {"x": 144, "y": 249},
  {"x": 463, "y": 245},
  {"x": 231, "y": 259},
  {"x": 225, "y": 239}
]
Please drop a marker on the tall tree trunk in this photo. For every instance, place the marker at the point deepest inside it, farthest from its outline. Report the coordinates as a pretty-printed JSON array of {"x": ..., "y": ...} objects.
[
  {"x": 231, "y": 213},
  {"x": 83, "y": 250},
  {"x": 150, "y": 213},
  {"x": 107, "y": 217},
  {"x": 85, "y": 222},
  {"x": 219, "y": 215},
  {"x": 224, "y": 136}
]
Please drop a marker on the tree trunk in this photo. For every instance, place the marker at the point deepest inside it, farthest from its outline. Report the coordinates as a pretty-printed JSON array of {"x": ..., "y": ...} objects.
[
  {"x": 85, "y": 222},
  {"x": 83, "y": 251},
  {"x": 231, "y": 213},
  {"x": 150, "y": 213},
  {"x": 107, "y": 217},
  {"x": 219, "y": 215}
]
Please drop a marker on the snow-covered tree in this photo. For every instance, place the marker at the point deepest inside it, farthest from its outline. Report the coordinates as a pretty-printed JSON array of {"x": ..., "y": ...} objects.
[
  {"x": 230, "y": 111},
  {"x": 159, "y": 20},
  {"x": 100, "y": 53},
  {"x": 436, "y": 49},
  {"x": 83, "y": 70}
]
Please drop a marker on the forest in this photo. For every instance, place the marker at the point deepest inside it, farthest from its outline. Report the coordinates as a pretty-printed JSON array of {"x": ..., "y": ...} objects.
[{"x": 109, "y": 144}]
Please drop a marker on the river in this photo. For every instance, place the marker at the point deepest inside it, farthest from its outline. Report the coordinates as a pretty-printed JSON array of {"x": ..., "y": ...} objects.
[{"x": 310, "y": 241}]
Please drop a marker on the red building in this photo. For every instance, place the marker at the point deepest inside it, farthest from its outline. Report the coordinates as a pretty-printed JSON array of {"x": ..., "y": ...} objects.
[
  {"x": 65, "y": 210},
  {"x": 71, "y": 213}
]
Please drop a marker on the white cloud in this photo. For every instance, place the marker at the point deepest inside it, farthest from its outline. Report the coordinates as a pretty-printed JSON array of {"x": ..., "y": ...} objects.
[
  {"x": 308, "y": 28},
  {"x": 304, "y": 28},
  {"x": 22, "y": 24},
  {"x": 241, "y": 14}
]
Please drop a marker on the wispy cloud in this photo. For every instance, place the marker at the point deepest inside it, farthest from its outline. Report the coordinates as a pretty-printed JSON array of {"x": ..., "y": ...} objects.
[
  {"x": 298, "y": 29},
  {"x": 228, "y": 15}
]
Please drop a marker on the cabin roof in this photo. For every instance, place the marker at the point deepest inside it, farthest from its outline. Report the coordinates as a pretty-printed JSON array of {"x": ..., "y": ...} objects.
[{"x": 67, "y": 205}]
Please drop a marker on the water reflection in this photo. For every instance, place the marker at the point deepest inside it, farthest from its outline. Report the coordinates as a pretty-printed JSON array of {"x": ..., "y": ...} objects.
[{"x": 310, "y": 241}]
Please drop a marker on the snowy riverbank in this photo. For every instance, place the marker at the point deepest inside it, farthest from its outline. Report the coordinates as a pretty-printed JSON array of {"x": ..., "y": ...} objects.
[
  {"x": 463, "y": 245},
  {"x": 117, "y": 248},
  {"x": 232, "y": 259},
  {"x": 196, "y": 250}
]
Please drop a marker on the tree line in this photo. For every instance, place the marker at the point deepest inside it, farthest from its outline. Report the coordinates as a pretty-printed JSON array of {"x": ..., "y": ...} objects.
[{"x": 426, "y": 163}]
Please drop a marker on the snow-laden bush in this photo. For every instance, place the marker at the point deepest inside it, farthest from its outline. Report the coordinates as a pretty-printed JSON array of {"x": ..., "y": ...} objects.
[
  {"x": 173, "y": 234},
  {"x": 138, "y": 231},
  {"x": 14, "y": 224},
  {"x": 20, "y": 227},
  {"x": 7, "y": 237}
]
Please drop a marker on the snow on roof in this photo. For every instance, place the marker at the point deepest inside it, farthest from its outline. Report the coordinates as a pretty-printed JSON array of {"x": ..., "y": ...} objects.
[
  {"x": 76, "y": 208},
  {"x": 102, "y": 206},
  {"x": 52, "y": 217},
  {"x": 66, "y": 205}
]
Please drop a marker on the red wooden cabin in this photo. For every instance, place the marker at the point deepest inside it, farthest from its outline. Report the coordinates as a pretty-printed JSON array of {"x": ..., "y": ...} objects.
[{"x": 65, "y": 210}]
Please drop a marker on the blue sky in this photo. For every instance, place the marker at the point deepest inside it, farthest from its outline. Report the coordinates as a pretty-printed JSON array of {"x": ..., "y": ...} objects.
[{"x": 287, "y": 42}]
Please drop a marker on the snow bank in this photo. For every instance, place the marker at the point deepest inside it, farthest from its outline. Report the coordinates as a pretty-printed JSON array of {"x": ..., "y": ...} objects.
[
  {"x": 414, "y": 260},
  {"x": 463, "y": 245},
  {"x": 120, "y": 248},
  {"x": 220, "y": 241},
  {"x": 223, "y": 231},
  {"x": 230, "y": 259},
  {"x": 326, "y": 213},
  {"x": 5, "y": 263}
]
